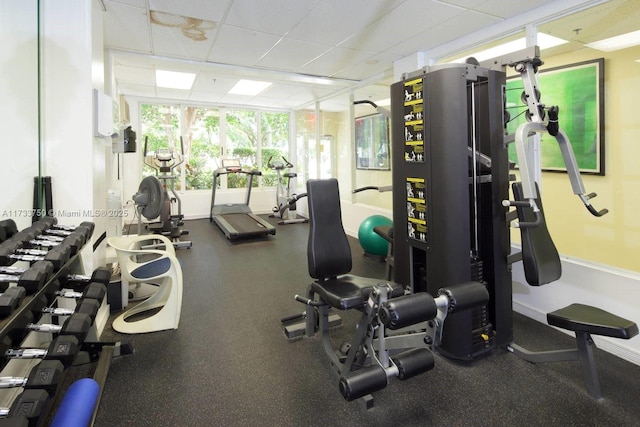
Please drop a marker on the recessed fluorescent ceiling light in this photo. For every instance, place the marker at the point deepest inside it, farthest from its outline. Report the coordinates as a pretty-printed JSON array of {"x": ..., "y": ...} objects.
[
  {"x": 249, "y": 87},
  {"x": 174, "y": 79},
  {"x": 545, "y": 41},
  {"x": 616, "y": 43}
]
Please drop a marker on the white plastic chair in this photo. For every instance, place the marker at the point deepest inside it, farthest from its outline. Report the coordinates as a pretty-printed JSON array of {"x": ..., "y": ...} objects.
[{"x": 159, "y": 267}]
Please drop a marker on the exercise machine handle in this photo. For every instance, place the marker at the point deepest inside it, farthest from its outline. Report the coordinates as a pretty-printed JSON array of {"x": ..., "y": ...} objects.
[
  {"x": 308, "y": 301},
  {"x": 289, "y": 165},
  {"x": 379, "y": 189},
  {"x": 526, "y": 204},
  {"x": 585, "y": 199}
]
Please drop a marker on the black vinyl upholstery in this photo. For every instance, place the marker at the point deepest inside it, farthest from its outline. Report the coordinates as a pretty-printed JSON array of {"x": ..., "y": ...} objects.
[
  {"x": 539, "y": 254},
  {"x": 329, "y": 253},
  {"x": 592, "y": 320}
]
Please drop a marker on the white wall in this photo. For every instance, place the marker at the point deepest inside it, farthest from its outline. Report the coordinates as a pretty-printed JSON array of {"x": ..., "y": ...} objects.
[
  {"x": 18, "y": 109},
  {"x": 73, "y": 66}
]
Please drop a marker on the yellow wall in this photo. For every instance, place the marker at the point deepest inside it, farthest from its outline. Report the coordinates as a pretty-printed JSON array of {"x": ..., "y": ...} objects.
[{"x": 613, "y": 239}]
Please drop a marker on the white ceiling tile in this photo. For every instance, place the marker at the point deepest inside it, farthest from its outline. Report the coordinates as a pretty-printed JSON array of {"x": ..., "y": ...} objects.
[
  {"x": 127, "y": 27},
  {"x": 291, "y": 54},
  {"x": 272, "y": 16},
  {"x": 332, "y": 21},
  {"x": 202, "y": 9},
  {"x": 172, "y": 41},
  {"x": 137, "y": 75},
  {"x": 137, "y": 3},
  {"x": 240, "y": 46},
  {"x": 203, "y": 96},
  {"x": 335, "y": 60},
  {"x": 172, "y": 93},
  {"x": 137, "y": 90},
  {"x": 213, "y": 82}
]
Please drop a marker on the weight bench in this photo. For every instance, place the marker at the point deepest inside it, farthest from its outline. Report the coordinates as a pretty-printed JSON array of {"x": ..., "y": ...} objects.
[
  {"x": 396, "y": 332},
  {"x": 541, "y": 266}
]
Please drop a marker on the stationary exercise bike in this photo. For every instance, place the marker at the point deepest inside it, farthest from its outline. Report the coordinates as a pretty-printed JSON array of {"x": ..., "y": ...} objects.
[
  {"x": 285, "y": 208},
  {"x": 164, "y": 161}
]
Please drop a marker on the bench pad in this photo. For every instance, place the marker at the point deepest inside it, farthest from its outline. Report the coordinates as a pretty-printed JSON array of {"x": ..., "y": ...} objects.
[{"x": 592, "y": 320}]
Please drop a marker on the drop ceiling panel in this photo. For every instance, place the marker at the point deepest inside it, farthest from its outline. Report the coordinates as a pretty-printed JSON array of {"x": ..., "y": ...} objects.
[
  {"x": 240, "y": 46},
  {"x": 272, "y": 16},
  {"x": 333, "y": 21},
  {"x": 136, "y": 75},
  {"x": 137, "y": 90},
  {"x": 402, "y": 23},
  {"x": 335, "y": 60},
  {"x": 292, "y": 54},
  {"x": 505, "y": 9},
  {"x": 213, "y": 82},
  {"x": 127, "y": 27},
  {"x": 203, "y": 96},
  {"x": 202, "y": 9},
  {"x": 174, "y": 42}
]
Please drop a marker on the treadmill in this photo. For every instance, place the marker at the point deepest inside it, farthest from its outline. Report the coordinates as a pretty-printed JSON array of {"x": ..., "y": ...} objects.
[{"x": 236, "y": 219}]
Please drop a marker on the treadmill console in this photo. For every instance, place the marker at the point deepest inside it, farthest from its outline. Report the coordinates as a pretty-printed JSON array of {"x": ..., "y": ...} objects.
[{"x": 231, "y": 165}]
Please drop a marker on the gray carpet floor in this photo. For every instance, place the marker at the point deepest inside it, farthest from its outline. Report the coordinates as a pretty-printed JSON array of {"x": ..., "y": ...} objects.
[{"x": 229, "y": 363}]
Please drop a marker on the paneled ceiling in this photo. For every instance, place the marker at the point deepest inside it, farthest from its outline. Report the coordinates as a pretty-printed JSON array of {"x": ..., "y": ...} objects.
[{"x": 318, "y": 49}]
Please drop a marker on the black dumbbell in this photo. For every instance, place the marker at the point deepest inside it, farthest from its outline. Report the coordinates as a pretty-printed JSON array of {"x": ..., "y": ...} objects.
[
  {"x": 32, "y": 278},
  {"x": 77, "y": 325},
  {"x": 75, "y": 240},
  {"x": 11, "y": 251},
  {"x": 8, "y": 228},
  {"x": 99, "y": 275},
  {"x": 49, "y": 225},
  {"x": 63, "y": 348},
  {"x": 10, "y": 299},
  {"x": 28, "y": 409},
  {"x": 94, "y": 290},
  {"x": 46, "y": 376},
  {"x": 84, "y": 305}
]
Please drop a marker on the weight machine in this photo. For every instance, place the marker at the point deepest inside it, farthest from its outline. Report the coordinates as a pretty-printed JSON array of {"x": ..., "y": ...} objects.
[
  {"x": 451, "y": 176},
  {"x": 164, "y": 161},
  {"x": 285, "y": 207}
]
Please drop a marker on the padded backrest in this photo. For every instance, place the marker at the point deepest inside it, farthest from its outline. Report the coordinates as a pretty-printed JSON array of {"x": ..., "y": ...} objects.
[
  {"x": 328, "y": 250},
  {"x": 539, "y": 254}
]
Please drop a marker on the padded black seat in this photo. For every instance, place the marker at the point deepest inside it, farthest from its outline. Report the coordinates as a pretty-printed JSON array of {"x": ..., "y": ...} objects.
[
  {"x": 347, "y": 291},
  {"x": 592, "y": 320},
  {"x": 329, "y": 254}
]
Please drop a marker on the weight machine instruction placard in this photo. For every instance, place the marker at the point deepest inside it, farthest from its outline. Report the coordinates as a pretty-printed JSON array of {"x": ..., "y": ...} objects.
[
  {"x": 416, "y": 209},
  {"x": 413, "y": 121}
]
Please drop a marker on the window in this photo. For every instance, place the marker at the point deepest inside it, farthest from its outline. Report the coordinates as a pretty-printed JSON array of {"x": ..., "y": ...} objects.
[{"x": 210, "y": 134}]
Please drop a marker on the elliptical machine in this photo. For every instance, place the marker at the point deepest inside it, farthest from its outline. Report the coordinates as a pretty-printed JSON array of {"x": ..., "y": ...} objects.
[
  {"x": 164, "y": 161},
  {"x": 285, "y": 207}
]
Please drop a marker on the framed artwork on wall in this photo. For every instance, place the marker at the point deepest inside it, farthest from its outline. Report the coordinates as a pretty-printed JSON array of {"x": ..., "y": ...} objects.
[
  {"x": 578, "y": 90},
  {"x": 372, "y": 142}
]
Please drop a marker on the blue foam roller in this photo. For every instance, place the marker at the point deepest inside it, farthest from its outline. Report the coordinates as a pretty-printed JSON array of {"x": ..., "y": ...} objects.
[{"x": 76, "y": 408}]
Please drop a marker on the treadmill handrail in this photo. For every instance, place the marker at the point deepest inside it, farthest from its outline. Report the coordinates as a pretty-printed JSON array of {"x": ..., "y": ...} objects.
[{"x": 225, "y": 171}]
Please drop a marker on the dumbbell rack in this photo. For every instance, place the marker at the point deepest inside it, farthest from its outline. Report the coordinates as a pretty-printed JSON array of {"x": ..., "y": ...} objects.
[{"x": 93, "y": 350}]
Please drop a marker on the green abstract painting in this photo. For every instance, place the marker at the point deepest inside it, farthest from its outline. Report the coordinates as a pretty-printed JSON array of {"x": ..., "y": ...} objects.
[{"x": 578, "y": 90}]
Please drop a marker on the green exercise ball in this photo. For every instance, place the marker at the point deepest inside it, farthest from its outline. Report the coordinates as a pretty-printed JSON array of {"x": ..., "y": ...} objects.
[{"x": 370, "y": 241}]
